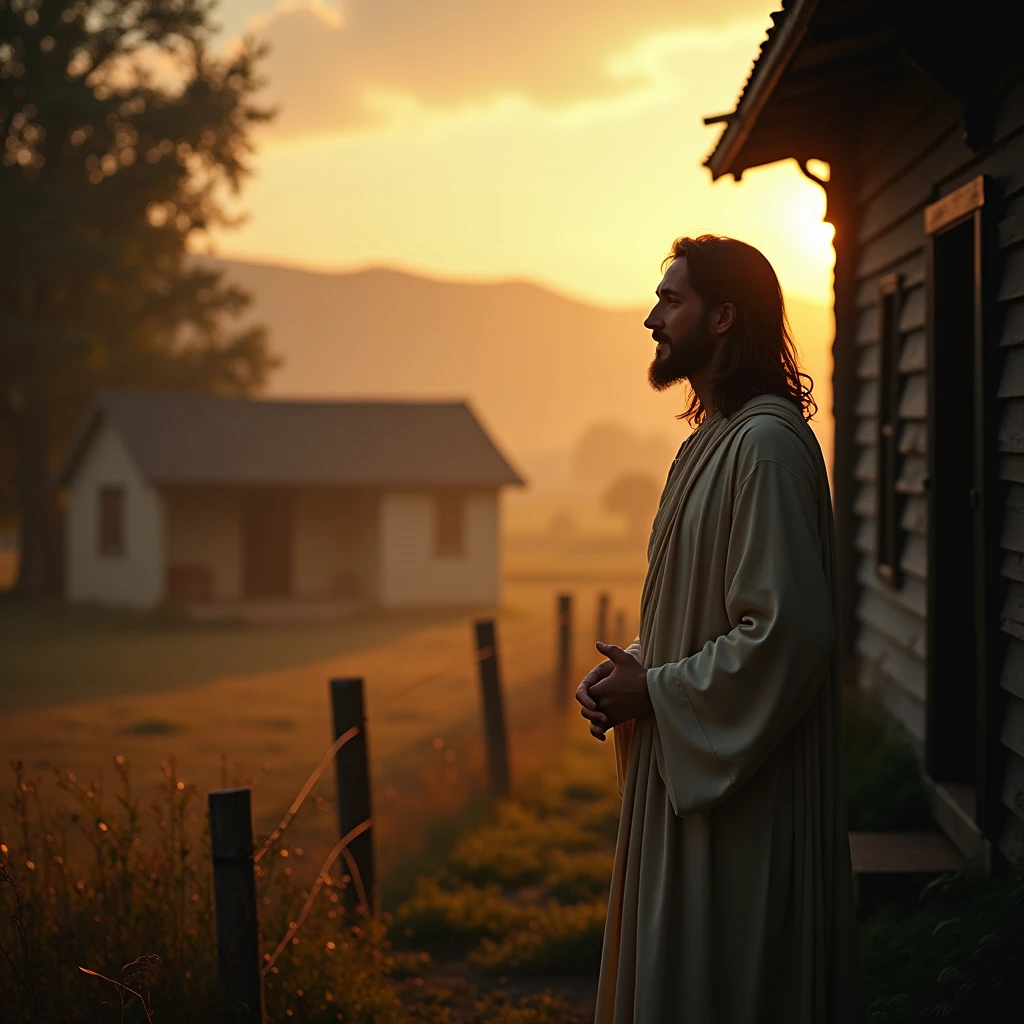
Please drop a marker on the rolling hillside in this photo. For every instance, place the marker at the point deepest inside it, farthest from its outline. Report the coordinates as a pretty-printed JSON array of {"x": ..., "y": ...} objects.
[{"x": 538, "y": 367}]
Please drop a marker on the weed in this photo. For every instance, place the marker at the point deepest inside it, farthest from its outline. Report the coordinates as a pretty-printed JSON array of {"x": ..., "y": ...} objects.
[
  {"x": 106, "y": 912},
  {"x": 557, "y": 940}
]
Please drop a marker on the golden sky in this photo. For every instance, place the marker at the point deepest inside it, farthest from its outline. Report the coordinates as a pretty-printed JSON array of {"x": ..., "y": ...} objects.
[{"x": 558, "y": 141}]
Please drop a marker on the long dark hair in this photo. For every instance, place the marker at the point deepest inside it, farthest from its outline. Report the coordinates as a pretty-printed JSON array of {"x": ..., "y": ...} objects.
[{"x": 758, "y": 357}]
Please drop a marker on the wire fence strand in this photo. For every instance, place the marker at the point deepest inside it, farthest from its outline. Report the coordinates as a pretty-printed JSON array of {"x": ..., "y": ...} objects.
[
  {"x": 305, "y": 791},
  {"x": 322, "y": 876}
]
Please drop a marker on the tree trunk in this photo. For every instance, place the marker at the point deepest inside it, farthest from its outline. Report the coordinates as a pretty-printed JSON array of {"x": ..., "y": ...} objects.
[{"x": 39, "y": 568}]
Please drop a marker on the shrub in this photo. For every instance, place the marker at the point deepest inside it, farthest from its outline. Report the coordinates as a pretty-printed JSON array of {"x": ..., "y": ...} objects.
[
  {"x": 516, "y": 850},
  {"x": 579, "y": 877},
  {"x": 557, "y": 940},
  {"x": 457, "y": 917},
  {"x": 957, "y": 956}
]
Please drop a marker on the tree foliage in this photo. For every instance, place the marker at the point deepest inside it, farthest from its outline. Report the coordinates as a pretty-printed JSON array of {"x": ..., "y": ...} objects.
[{"x": 123, "y": 134}]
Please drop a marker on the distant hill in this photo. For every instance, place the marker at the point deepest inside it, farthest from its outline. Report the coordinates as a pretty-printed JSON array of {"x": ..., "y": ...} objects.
[{"x": 538, "y": 367}]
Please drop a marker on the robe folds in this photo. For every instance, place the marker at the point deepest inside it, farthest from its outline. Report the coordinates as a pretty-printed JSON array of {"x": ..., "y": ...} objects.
[{"x": 732, "y": 892}]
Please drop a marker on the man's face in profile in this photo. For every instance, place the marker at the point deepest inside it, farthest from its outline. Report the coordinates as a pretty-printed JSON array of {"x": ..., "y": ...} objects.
[{"x": 685, "y": 345}]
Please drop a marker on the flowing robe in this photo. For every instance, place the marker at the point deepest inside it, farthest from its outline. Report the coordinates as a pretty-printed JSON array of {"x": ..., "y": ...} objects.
[{"x": 732, "y": 893}]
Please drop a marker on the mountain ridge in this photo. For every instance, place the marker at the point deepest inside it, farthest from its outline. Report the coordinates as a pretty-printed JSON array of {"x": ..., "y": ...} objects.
[{"x": 537, "y": 366}]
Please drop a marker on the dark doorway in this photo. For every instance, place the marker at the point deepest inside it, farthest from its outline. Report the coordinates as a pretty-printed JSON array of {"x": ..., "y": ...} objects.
[
  {"x": 958, "y": 544},
  {"x": 267, "y": 543}
]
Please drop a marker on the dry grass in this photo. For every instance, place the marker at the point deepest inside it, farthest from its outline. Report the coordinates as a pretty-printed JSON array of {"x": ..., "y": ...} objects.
[
  {"x": 197, "y": 691},
  {"x": 108, "y": 915}
]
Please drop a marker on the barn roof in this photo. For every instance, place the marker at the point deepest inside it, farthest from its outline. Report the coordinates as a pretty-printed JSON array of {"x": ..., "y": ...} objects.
[
  {"x": 205, "y": 439},
  {"x": 821, "y": 60}
]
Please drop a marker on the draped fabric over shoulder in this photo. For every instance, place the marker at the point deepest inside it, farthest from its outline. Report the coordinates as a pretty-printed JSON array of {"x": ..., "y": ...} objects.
[{"x": 732, "y": 895}]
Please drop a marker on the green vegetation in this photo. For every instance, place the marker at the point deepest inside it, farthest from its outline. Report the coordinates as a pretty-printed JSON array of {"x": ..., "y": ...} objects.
[
  {"x": 950, "y": 949},
  {"x": 883, "y": 784},
  {"x": 122, "y": 888},
  {"x": 525, "y": 892},
  {"x": 455, "y": 916},
  {"x": 954, "y": 954},
  {"x": 106, "y": 913},
  {"x": 111, "y": 174},
  {"x": 557, "y": 940}
]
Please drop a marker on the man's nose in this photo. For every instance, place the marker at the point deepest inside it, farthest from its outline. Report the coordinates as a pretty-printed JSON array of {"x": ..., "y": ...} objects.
[{"x": 653, "y": 323}]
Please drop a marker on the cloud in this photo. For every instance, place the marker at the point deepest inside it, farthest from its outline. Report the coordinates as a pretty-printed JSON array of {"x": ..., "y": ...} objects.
[{"x": 348, "y": 68}]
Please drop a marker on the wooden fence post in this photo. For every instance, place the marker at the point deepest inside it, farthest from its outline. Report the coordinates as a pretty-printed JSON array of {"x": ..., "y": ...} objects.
[
  {"x": 620, "y": 628},
  {"x": 234, "y": 893},
  {"x": 351, "y": 767},
  {"x": 495, "y": 736},
  {"x": 602, "y": 617},
  {"x": 563, "y": 675}
]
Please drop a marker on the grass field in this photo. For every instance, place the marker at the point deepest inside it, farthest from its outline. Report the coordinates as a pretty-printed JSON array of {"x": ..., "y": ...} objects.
[{"x": 236, "y": 704}]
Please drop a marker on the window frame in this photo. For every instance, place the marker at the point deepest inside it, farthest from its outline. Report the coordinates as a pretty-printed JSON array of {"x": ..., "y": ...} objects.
[
  {"x": 889, "y": 500},
  {"x": 110, "y": 530},
  {"x": 970, "y": 206}
]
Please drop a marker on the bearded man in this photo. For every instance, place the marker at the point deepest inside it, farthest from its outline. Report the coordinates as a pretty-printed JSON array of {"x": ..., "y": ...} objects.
[{"x": 732, "y": 895}]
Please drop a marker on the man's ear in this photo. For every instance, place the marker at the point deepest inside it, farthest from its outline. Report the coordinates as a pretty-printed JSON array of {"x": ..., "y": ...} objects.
[{"x": 724, "y": 318}]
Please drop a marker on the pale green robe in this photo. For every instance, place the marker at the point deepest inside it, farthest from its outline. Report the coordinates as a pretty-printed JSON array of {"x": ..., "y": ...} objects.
[{"x": 732, "y": 895}]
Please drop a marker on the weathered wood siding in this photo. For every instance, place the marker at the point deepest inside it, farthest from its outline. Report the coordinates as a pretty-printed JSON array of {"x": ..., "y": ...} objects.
[{"x": 914, "y": 154}]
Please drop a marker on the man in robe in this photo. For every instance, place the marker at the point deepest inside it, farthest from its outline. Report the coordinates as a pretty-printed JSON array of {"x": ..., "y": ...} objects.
[{"x": 732, "y": 893}]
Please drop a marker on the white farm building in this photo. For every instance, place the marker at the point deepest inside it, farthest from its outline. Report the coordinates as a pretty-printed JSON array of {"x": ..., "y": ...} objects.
[{"x": 217, "y": 502}]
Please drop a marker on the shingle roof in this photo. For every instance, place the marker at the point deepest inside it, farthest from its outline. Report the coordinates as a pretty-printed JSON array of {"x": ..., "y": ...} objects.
[
  {"x": 203, "y": 439},
  {"x": 787, "y": 28}
]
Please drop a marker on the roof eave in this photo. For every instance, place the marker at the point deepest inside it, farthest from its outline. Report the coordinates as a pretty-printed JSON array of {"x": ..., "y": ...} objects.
[
  {"x": 767, "y": 71},
  {"x": 84, "y": 433}
]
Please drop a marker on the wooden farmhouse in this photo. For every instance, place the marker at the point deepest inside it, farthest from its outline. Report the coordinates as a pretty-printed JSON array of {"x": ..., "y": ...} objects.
[
  {"x": 918, "y": 109},
  {"x": 242, "y": 504}
]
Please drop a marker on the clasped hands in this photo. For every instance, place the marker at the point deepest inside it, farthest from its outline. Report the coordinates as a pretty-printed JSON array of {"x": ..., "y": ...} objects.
[{"x": 614, "y": 691}]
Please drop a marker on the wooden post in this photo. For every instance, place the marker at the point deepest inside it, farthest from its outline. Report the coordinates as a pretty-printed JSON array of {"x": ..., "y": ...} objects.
[
  {"x": 620, "y": 628},
  {"x": 602, "y": 617},
  {"x": 234, "y": 893},
  {"x": 351, "y": 767},
  {"x": 493, "y": 704},
  {"x": 563, "y": 674}
]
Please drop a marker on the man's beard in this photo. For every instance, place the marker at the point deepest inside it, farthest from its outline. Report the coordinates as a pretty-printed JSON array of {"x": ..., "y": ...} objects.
[{"x": 688, "y": 355}]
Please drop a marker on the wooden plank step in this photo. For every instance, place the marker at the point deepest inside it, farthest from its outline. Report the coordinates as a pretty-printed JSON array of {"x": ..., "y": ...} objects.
[{"x": 893, "y": 853}]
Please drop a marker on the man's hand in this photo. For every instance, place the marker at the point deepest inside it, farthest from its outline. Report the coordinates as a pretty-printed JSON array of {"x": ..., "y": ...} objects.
[
  {"x": 589, "y": 709},
  {"x": 614, "y": 691}
]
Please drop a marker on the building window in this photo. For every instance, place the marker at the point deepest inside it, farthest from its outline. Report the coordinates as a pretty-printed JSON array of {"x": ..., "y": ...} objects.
[
  {"x": 449, "y": 531},
  {"x": 111, "y": 521},
  {"x": 889, "y": 505}
]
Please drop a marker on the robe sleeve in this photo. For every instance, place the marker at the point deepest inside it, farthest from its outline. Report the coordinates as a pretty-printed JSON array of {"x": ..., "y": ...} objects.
[
  {"x": 622, "y": 735},
  {"x": 724, "y": 709}
]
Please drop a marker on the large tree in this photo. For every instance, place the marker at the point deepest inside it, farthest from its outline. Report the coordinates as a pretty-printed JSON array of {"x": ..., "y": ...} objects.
[{"x": 123, "y": 134}]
